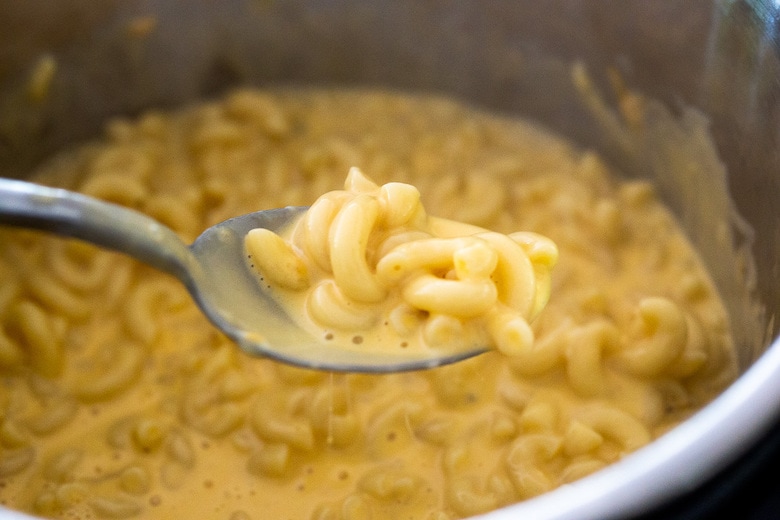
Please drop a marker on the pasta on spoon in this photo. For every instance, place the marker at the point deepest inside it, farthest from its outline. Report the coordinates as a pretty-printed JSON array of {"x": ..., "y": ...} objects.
[{"x": 368, "y": 265}]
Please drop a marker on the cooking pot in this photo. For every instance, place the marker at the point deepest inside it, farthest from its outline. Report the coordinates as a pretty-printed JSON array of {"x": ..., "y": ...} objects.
[{"x": 705, "y": 72}]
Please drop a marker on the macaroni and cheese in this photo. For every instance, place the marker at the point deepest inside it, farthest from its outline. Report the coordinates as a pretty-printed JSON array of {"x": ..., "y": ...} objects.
[
  {"x": 119, "y": 400},
  {"x": 368, "y": 261}
]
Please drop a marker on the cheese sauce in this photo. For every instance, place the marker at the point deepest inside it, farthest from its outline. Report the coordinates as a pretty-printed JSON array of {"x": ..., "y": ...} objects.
[{"x": 119, "y": 400}]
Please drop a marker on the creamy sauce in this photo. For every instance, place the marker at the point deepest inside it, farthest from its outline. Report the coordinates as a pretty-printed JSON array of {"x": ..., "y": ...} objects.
[{"x": 119, "y": 400}]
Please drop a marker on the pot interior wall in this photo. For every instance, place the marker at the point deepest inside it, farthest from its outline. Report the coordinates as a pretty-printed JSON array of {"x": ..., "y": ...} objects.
[{"x": 115, "y": 57}]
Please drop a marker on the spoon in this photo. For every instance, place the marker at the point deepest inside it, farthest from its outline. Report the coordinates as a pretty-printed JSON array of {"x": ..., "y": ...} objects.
[{"x": 214, "y": 271}]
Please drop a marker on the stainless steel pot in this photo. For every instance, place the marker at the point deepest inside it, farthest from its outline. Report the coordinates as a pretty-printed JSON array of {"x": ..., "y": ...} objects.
[{"x": 721, "y": 58}]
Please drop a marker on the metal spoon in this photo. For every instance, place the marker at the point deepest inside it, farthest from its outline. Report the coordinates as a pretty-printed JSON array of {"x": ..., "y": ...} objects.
[{"x": 214, "y": 271}]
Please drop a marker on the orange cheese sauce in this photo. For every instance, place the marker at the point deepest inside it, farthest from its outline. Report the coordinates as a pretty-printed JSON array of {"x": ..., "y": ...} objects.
[{"x": 119, "y": 400}]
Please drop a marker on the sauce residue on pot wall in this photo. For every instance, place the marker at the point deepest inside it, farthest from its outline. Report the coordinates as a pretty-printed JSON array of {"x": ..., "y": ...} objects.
[{"x": 118, "y": 399}]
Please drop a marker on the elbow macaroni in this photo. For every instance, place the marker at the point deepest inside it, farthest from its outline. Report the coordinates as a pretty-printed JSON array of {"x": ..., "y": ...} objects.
[
  {"x": 362, "y": 253},
  {"x": 119, "y": 400}
]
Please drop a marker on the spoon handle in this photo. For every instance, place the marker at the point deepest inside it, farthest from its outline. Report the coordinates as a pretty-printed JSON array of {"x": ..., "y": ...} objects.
[{"x": 66, "y": 213}]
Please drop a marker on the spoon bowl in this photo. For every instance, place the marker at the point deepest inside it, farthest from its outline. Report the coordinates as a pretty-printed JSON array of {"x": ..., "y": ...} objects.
[{"x": 214, "y": 271}]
